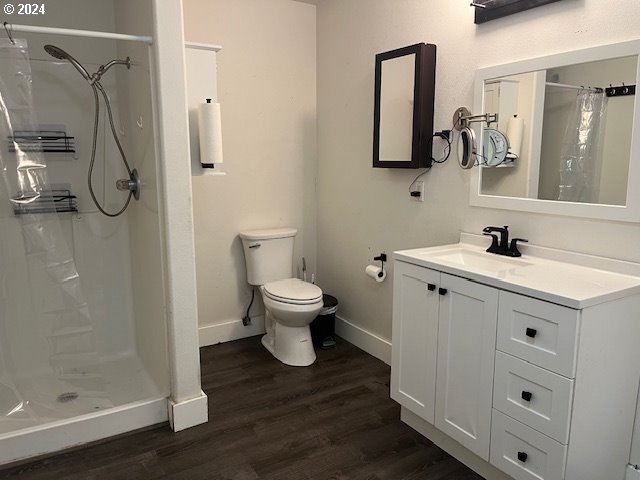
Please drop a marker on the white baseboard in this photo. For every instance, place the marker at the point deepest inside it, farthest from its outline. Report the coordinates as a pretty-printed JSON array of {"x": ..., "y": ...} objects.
[
  {"x": 188, "y": 413},
  {"x": 234, "y": 330},
  {"x": 632, "y": 473},
  {"x": 230, "y": 330},
  {"x": 364, "y": 339}
]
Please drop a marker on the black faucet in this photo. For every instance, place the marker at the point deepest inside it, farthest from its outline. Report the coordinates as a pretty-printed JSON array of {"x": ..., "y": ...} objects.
[{"x": 502, "y": 246}]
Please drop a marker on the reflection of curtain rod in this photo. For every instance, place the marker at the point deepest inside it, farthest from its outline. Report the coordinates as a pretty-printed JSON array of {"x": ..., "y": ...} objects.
[{"x": 575, "y": 87}]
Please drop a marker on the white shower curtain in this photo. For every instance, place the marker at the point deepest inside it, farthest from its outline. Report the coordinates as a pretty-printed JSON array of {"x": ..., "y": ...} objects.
[
  {"x": 48, "y": 352},
  {"x": 581, "y": 155}
]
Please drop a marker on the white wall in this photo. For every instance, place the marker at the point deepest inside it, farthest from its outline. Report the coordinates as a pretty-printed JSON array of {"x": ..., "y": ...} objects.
[
  {"x": 361, "y": 210},
  {"x": 267, "y": 91}
]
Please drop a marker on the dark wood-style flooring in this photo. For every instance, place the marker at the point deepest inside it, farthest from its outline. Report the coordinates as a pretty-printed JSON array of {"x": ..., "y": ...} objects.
[{"x": 331, "y": 421}]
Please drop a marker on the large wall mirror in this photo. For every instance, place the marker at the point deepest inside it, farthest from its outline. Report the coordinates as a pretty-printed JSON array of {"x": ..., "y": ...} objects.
[
  {"x": 572, "y": 122},
  {"x": 403, "y": 110}
]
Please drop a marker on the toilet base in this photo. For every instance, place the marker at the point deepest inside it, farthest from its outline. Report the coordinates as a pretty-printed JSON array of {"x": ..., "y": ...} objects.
[{"x": 291, "y": 345}]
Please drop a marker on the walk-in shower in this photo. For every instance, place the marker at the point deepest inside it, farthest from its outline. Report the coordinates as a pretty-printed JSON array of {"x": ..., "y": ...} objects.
[
  {"x": 132, "y": 184},
  {"x": 83, "y": 342}
]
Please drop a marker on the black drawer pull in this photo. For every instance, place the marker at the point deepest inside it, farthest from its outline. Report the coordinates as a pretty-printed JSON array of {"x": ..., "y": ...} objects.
[
  {"x": 522, "y": 456},
  {"x": 531, "y": 332},
  {"x": 431, "y": 287},
  {"x": 527, "y": 396},
  {"x": 442, "y": 291}
]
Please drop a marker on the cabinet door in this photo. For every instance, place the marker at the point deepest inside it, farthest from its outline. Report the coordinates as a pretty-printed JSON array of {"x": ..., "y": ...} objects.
[
  {"x": 466, "y": 351},
  {"x": 415, "y": 338}
]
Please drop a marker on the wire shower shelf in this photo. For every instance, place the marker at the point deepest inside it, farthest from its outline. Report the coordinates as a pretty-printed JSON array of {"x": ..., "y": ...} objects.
[
  {"x": 49, "y": 201},
  {"x": 47, "y": 141}
]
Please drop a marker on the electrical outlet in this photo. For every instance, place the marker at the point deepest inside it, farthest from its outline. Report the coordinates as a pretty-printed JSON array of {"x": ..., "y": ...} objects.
[{"x": 418, "y": 187}]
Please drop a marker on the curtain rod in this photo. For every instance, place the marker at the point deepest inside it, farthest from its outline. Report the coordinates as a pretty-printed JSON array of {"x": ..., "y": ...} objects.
[
  {"x": 575, "y": 87},
  {"x": 10, "y": 27}
]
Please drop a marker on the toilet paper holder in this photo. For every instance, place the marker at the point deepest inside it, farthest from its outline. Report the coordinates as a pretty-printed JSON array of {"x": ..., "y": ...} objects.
[{"x": 381, "y": 258}]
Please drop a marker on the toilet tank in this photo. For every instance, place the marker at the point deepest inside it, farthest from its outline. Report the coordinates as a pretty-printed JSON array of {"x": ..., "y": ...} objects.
[{"x": 268, "y": 254}]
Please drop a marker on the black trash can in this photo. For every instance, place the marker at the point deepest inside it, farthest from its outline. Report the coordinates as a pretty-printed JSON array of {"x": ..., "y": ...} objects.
[{"x": 323, "y": 328}]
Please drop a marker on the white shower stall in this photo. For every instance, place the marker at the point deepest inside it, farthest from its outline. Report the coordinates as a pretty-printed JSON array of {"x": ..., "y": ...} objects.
[{"x": 98, "y": 328}]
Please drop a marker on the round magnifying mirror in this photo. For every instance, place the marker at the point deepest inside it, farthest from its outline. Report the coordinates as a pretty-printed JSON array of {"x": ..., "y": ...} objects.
[
  {"x": 495, "y": 147},
  {"x": 467, "y": 149}
]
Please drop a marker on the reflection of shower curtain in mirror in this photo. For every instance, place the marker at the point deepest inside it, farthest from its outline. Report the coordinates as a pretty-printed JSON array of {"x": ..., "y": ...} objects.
[{"x": 581, "y": 155}]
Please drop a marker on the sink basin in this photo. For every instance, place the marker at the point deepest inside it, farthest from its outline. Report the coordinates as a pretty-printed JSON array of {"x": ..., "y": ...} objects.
[{"x": 488, "y": 262}]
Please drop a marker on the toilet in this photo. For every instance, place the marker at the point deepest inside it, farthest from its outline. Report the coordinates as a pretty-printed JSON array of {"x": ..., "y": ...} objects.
[{"x": 290, "y": 304}]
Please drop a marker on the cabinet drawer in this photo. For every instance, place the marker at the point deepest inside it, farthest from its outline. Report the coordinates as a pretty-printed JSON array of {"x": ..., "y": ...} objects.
[
  {"x": 536, "y": 397},
  {"x": 539, "y": 332},
  {"x": 524, "y": 453}
]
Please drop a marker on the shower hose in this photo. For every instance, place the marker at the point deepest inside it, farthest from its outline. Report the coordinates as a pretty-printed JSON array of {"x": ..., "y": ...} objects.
[{"x": 96, "y": 85}]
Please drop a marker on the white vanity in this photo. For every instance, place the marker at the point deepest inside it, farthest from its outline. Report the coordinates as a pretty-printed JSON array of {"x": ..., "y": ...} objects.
[{"x": 531, "y": 363}]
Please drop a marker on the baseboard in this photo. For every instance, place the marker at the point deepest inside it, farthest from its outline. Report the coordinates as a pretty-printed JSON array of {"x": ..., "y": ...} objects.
[
  {"x": 364, "y": 339},
  {"x": 632, "y": 473},
  {"x": 230, "y": 330},
  {"x": 234, "y": 330},
  {"x": 453, "y": 448},
  {"x": 188, "y": 413}
]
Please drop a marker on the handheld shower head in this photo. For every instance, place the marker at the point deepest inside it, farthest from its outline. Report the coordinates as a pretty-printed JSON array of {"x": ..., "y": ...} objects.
[
  {"x": 56, "y": 52},
  {"x": 60, "y": 54}
]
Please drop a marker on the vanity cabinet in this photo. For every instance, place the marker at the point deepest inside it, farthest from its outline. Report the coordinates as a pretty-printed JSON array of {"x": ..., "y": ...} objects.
[
  {"x": 444, "y": 331},
  {"x": 537, "y": 389},
  {"x": 466, "y": 349},
  {"x": 415, "y": 327}
]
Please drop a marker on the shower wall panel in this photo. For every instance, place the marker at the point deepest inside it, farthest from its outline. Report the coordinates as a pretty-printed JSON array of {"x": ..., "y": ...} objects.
[{"x": 143, "y": 216}]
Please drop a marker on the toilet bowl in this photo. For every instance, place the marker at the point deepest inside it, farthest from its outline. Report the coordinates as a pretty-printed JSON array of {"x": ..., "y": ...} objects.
[
  {"x": 287, "y": 320},
  {"x": 290, "y": 304}
]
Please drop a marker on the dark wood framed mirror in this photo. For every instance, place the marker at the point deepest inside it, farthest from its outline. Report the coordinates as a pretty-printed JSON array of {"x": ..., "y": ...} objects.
[{"x": 403, "y": 110}]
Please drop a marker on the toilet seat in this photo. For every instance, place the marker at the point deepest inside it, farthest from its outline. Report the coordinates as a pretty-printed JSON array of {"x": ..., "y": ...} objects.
[{"x": 293, "y": 291}]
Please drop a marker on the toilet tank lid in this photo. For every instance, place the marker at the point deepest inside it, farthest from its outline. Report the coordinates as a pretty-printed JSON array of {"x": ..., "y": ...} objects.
[{"x": 268, "y": 233}]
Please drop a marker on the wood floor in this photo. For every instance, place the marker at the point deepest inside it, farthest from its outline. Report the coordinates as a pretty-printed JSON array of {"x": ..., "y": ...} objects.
[{"x": 331, "y": 421}]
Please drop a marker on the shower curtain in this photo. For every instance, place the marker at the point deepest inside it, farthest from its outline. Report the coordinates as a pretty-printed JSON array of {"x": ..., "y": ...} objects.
[
  {"x": 581, "y": 155},
  {"x": 48, "y": 353}
]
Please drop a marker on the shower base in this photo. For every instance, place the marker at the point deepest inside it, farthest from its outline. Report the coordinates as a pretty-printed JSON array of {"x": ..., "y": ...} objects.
[{"x": 55, "y": 417}]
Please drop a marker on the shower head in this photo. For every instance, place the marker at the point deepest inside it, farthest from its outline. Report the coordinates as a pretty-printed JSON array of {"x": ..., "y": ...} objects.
[
  {"x": 56, "y": 52},
  {"x": 60, "y": 54}
]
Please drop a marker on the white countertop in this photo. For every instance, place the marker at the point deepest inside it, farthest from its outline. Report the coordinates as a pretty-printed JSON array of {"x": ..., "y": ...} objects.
[{"x": 574, "y": 280}]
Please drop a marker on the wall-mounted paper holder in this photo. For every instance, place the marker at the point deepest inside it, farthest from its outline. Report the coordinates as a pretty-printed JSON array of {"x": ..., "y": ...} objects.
[{"x": 381, "y": 258}]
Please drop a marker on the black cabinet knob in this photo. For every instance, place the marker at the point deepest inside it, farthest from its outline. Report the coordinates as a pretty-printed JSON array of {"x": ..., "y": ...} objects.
[
  {"x": 442, "y": 291},
  {"x": 431, "y": 287},
  {"x": 527, "y": 396},
  {"x": 522, "y": 456},
  {"x": 531, "y": 332}
]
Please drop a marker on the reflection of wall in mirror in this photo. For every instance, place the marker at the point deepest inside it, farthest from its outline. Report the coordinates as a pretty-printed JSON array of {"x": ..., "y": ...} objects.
[
  {"x": 616, "y": 147},
  {"x": 396, "y": 108},
  {"x": 509, "y": 96}
]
